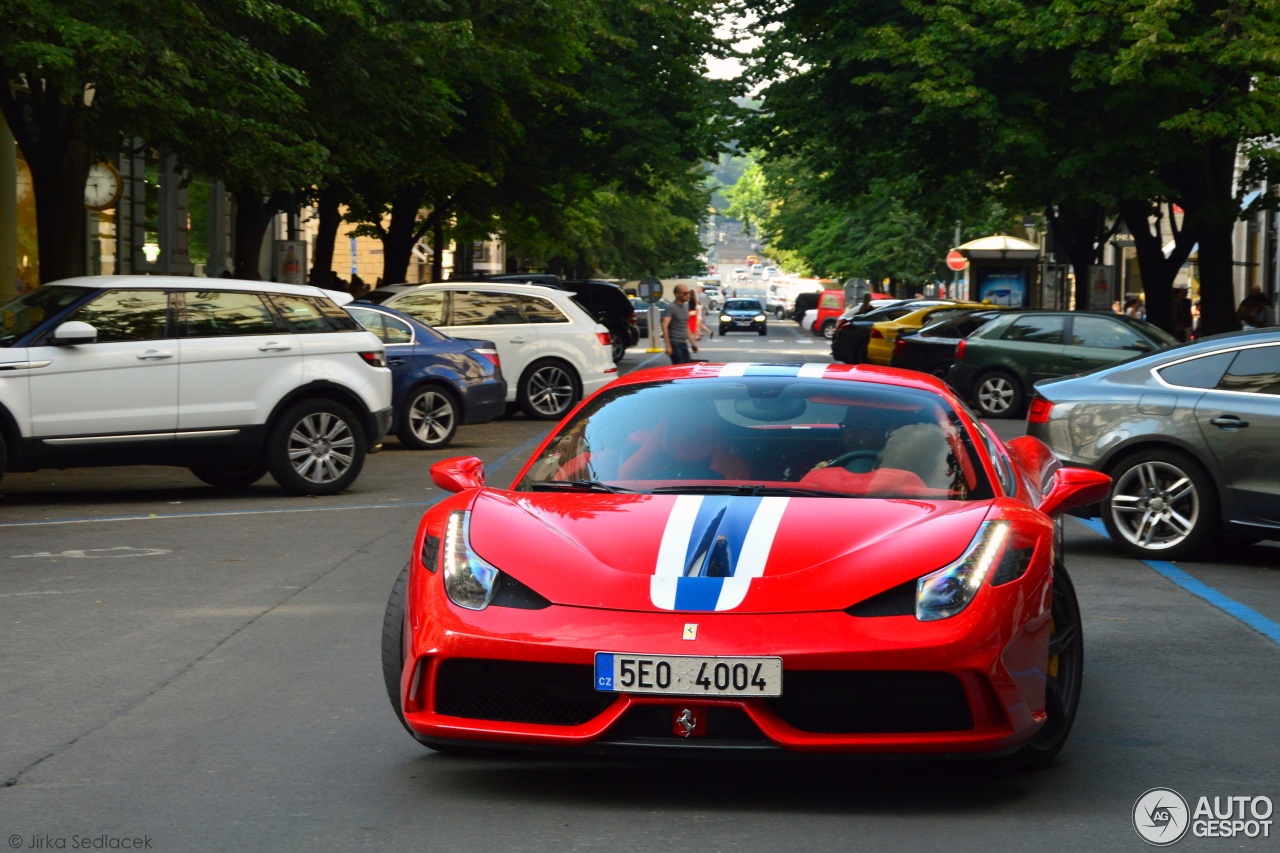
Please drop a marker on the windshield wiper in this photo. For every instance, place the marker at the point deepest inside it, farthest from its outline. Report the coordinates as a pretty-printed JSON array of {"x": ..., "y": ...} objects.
[
  {"x": 746, "y": 490},
  {"x": 576, "y": 486}
]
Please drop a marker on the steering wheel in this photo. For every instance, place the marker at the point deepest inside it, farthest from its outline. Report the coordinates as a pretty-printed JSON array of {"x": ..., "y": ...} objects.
[{"x": 856, "y": 461}]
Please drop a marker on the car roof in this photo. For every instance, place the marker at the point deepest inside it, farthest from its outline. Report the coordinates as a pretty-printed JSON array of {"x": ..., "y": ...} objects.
[
  {"x": 498, "y": 286},
  {"x": 187, "y": 282}
]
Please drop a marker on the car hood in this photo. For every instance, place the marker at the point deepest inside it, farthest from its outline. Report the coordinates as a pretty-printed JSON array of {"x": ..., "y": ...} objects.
[{"x": 748, "y": 554}]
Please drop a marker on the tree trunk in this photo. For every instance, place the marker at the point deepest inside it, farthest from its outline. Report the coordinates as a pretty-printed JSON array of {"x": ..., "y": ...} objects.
[
  {"x": 1158, "y": 272},
  {"x": 1080, "y": 233},
  {"x": 326, "y": 234},
  {"x": 401, "y": 234},
  {"x": 58, "y": 179},
  {"x": 249, "y": 230},
  {"x": 1210, "y": 197},
  {"x": 437, "y": 251}
]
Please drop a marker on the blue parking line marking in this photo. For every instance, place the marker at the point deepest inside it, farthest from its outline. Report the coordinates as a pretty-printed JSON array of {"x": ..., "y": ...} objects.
[{"x": 1250, "y": 617}]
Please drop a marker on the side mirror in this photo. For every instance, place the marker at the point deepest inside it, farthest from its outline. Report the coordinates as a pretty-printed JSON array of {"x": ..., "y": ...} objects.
[
  {"x": 71, "y": 333},
  {"x": 459, "y": 473},
  {"x": 1073, "y": 487}
]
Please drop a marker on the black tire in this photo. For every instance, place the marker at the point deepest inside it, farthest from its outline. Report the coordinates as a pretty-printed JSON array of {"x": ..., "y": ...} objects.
[
  {"x": 998, "y": 394},
  {"x": 1064, "y": 674},
  {"x": 764, "y": 331},
  {"x": 779, "y": 314},
  {"x": 317, "y": 447},
  {"x": 429, "y": 418},
  {"x": 548, "y": 390},
  {"x": 723, "y": 331},
  {"x": 829, "y": 329},
  {"x": 231, "y": 476},
  {"x": 1163, "y": 505},
  {"x": 941, "y": 369},
  {"x": 4, "y": 457},
  {"x": 619, "y": 346},
  {"x": 393, "y": 644}
]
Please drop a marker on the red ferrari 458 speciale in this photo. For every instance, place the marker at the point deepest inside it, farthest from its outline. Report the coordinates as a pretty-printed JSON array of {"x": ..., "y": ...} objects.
[{"x": 749, "y": 559}]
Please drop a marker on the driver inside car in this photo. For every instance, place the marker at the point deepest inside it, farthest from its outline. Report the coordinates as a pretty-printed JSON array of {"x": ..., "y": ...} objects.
[{"x": 864, "y": 432}]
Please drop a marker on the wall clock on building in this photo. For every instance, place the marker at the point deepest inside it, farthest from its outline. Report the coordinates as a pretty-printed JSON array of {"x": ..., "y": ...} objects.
[
  {"x": 103, "y": 188},
  {"x": 26, "y": 188}
]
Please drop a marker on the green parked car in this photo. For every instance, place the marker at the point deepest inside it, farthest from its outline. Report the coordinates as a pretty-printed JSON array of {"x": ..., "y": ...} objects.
[{"x": 996, "y": 366}]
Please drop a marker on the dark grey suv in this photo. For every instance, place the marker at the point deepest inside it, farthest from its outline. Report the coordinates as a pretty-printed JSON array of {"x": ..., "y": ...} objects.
[{"x": 1189, "y": 435}]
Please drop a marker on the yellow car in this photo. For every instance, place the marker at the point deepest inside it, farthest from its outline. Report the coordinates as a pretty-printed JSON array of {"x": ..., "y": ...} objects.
[{"x": 885, "y": 333}]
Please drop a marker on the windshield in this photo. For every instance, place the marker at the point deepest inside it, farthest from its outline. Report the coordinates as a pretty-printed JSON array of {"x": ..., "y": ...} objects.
[
  {"x": 742, "y": 305},
  {"x": 29, "y": 310},
  {"x": 764, "y": 435}
]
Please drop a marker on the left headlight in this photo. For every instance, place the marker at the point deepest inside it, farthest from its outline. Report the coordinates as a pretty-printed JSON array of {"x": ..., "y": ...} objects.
[
  {"x": 759, "y": 318},
  {"x": 725, "y": 318},
  {"x": 468, "y": 579},
  {"x": 948, "y": 591}
]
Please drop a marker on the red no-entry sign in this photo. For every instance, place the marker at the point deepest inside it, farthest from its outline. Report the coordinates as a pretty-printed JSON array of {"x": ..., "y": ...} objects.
[{"x": 955, "y": 260}]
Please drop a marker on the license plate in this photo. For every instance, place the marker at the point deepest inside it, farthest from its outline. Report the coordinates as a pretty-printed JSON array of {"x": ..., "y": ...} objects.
[
  {"x": 742, "y": 322},
  {"x": 682, "y": 675}
]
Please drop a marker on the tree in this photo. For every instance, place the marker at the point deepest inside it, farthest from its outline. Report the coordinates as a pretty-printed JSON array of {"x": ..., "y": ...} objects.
[
  {"x": 1063, "y": 106},
  {"x": 86, "y": 77}
]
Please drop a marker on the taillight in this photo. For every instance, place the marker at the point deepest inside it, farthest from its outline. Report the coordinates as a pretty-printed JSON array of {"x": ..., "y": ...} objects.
[
  {"x": 841, "y": 323},
  {"x": 374, "y": 359},
  {"x": 1039, "y": 411},
  {"x": 604, "y": 339},
  {"x": 490, "y": 354},
  {"x": 876, "y": 333},
  {"x": 898, "y": 346},
  {"x": 960, "y": 349}
]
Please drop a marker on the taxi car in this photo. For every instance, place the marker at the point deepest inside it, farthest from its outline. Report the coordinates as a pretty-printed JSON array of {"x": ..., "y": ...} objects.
[{"x": 674, "y": 572}]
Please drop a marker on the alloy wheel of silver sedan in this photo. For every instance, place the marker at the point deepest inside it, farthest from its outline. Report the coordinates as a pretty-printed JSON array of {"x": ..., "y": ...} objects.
[
  {"x": 430, "y": 419},
  {"x": 548, "y": 391},
  {"x": 1161, "y": 505}
]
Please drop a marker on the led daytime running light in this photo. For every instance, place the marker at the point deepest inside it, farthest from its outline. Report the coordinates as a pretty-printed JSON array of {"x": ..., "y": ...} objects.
[
  {"x": 948, "y": 591},
  {"x": 469, "y": 580}
]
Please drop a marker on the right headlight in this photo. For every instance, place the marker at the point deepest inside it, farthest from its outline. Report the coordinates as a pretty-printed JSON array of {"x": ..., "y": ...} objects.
[
  {"x": 469, "y": 580},
  {"x": 725, "y": 318},
  {"x": 946, "y": 592}
]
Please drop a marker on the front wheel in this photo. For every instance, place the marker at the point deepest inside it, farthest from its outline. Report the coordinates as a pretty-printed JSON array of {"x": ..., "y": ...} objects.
[
  {"x": 998, "y": 395},
  {"x": 393, "y": 644},
  {"x": 317, "y": 447},
  {"x": 764, "y": 331},
  {"x": 1162, "y": 505},
  {"x": 723, "y": 331},
  {"x": 547, "y": 390},
  {"x": 1064, "y": 674},
  {"x": 430, "y": 419},
  {"x": 828, "y": 329}
]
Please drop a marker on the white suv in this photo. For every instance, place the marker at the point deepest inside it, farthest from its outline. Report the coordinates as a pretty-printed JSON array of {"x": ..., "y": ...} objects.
[
  {"x": 231, "y": 379},
  {"x": 553, "y": 353}
]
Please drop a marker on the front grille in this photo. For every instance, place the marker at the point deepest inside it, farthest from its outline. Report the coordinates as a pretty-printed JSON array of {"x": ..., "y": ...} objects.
[
  {"x": 550, "y": 694},
  {"x": 656, "y": 721},
  {"x": 840, "y": 702}
]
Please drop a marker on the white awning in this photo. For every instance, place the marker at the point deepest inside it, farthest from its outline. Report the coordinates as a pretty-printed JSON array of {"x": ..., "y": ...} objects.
[{"x": 999, "y": 246}]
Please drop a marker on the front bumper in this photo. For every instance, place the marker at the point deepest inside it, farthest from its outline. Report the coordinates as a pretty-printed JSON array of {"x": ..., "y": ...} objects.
[{"x": 974, "y": 684}]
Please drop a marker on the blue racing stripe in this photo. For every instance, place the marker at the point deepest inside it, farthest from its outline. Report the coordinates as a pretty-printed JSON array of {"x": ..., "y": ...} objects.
[
  {"x": 720, "y": 516},
  {"x": 1228, "y": 605},
  {"x": 698, "y": 593}
]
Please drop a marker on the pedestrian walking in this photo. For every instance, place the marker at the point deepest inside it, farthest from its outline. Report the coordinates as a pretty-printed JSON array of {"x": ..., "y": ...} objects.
[
  {"x": 1182, "y": 322},
  {"x": 675, "y": 327}
]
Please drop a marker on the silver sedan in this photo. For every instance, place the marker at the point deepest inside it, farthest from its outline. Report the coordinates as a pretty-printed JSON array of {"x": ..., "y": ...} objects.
[{"x": 1189, "y": 435}]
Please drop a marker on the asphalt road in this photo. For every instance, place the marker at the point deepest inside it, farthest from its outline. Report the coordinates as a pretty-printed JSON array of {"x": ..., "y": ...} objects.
[{"x": 185, "y": 670}]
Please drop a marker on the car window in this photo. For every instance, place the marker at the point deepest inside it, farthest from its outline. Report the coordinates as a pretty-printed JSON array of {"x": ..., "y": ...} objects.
[
  {"x": 219, "y": 313},
  {"x": 1255, "y": 370},
  {"x": 1036, "y": 329},
  {"x": 840, "y": 438},
  {"x": 303, "y": 315},
  {"x": 1203, "y": 372},
  {"x": 427, "y": 306},
  {"x": 477, "y": 308},
  {"x": 742, "y": 305},
  {"x": 389, "y": 329},
  {"x": 1105, "y": 333},
  {"x": 538, "y": 309},
  {"x": 21, "y": 315},
  {"x": 831, "y": 300},
  {"x": 128, "y": 315}
]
